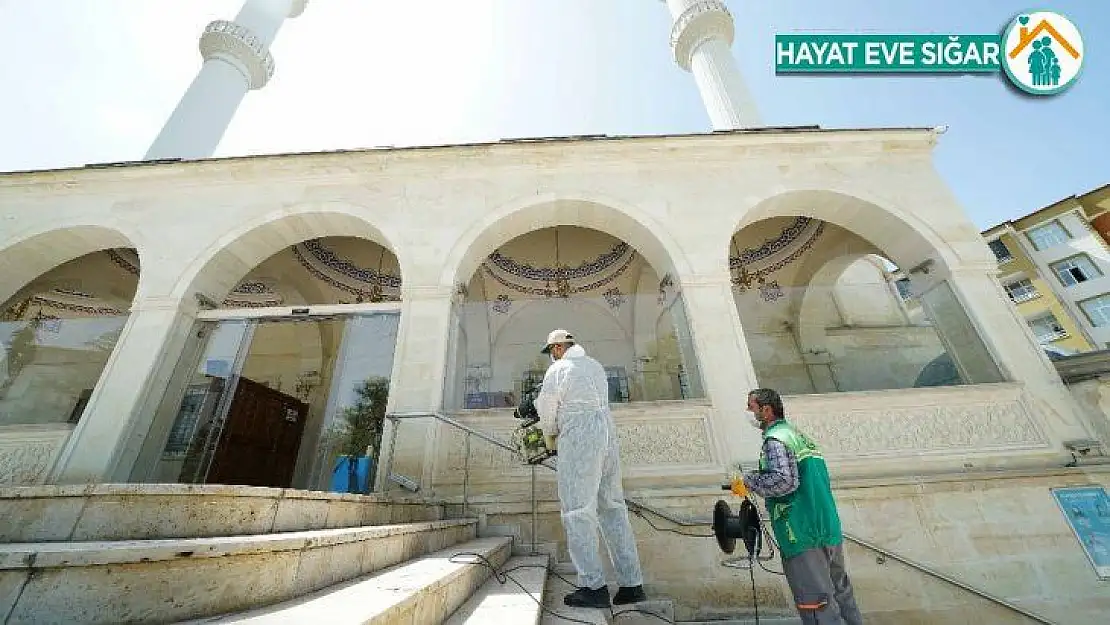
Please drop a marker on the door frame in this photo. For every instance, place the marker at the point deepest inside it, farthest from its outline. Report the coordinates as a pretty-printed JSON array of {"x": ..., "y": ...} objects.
[
  {"x": 270, "y": 314},
  {"x": 281, "y": 313}
]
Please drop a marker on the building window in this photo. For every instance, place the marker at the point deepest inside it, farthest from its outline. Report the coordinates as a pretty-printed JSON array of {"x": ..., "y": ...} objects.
[
  {"x": 1021, "y": 290},
  {"x": 905, "y": 291},
  {"x": 1048, "y": 235},
  {"x": 1047, "y": 328},
  {"x": 1097, "y": 310},
  {"x": 1072, "y": 271},
  {"x": 1001, "y": 252}
]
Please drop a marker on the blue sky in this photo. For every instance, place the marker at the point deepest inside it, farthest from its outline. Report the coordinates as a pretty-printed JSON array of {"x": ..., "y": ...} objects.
[{"x": 96, "y": 80}]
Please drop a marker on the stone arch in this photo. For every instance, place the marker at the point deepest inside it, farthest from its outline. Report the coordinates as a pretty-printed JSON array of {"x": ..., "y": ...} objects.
[
  {"x": 216, "y": 271},
  {"x": 810, "y": 327},
  {"x": 523, "y": 324},
  {"x": 26, "y": 258},
  {"x": 65, "y": 295},
  {"x": 794, "y": 351},
  {"x": 902, "y": 236},
  {"x": 638, "y": 240},
  {"x": 522, "y": 216}
]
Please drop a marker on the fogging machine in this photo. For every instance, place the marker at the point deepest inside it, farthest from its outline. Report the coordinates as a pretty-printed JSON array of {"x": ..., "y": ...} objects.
[{"x": 531, "y": 443}]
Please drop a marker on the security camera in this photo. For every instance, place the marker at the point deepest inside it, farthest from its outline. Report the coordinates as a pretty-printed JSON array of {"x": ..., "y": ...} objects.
[{"x": 1082, "y": 446}]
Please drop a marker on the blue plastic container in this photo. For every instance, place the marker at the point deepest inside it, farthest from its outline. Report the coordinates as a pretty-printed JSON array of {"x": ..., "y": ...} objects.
[{"x": 351, "y": 474}]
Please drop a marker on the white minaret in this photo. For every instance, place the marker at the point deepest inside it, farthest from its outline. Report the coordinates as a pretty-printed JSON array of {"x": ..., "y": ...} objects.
[
  {"x": 236, "y": 59},
  {"x": 701, "y": 39}
]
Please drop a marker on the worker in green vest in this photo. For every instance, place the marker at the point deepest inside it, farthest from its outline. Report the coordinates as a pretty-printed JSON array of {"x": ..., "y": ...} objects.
[{"x": 794, "y": 481}]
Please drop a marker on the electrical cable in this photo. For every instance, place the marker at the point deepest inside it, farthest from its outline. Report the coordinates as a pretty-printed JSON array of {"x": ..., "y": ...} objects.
[{"x": 502, "y": 575}]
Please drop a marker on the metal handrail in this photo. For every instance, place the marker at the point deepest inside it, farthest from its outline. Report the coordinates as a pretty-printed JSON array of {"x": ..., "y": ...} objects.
[
  {"x": 395, "y": 417},
  {"x": 493, "y": 441},
  {"x": 951, "y": 580},
  {"x": 456, "y": 424}
]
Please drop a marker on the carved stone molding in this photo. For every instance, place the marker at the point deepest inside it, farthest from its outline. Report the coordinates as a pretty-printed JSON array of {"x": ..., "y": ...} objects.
[
  {"x": 651, "y": 437},
  {"x": 237, "y": 45},
  {"x": 701, "y": 21},
  {"x": 650, "y": 444},
  {"x": 27, "y": 453},
  {"x": 917, "y": 422}
]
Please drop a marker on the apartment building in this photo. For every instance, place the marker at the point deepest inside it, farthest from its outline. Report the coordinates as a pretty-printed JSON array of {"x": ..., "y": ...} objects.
[{"x": 1055, "y": 266}]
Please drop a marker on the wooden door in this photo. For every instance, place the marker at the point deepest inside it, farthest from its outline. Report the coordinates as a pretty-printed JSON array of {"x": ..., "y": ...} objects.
[{"x": 261, "y": 438}]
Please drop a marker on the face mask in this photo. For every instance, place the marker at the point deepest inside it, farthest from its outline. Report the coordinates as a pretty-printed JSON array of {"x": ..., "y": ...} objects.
[
  {"x": 552, "y": 356},
  {"x": 753, "y": 420}
]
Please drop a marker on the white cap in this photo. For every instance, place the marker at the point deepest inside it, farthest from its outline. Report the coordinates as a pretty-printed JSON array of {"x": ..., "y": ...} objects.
[{"x": 556, "y": 336}]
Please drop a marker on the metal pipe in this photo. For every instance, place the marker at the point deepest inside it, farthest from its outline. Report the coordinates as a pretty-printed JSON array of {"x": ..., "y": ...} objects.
[
  {"x": 466, "y": 474},
  {"x": 456, "y": 424},
  {"x": 950, "y": 580},
  {"x": 392, "y": 446},
  {"x": 533, "y": 509}
]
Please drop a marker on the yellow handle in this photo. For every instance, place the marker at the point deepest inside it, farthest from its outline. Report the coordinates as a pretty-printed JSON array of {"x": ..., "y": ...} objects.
[{"x": 739, "y": 488}]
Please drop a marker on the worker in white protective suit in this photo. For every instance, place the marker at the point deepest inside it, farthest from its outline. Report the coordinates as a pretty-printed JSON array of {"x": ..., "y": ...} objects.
[{"x": 573, "y": 404}]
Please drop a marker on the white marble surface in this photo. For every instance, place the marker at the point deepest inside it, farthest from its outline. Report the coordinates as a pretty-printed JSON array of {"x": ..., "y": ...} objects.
[
  {"x": 123, "y": 581},
  {"x": 498, "y": 602},
  {"x": 423, "y": 591},
  {"x": 152, "y": 511}
]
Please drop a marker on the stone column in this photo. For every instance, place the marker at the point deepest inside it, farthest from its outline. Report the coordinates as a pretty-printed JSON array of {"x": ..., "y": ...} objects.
[
  {"x": 104, "y": 445},
  {"x": 701, "y": 39},
  {"x": 419, "y": 365},
  {"x": 237, "y": 59},
  {"x": 1010, "y": 340},
  {"x": 725, "y": 363}
]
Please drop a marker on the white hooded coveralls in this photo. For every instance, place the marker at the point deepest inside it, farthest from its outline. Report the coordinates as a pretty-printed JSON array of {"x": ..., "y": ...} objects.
[{"x": 574, "y": 404}]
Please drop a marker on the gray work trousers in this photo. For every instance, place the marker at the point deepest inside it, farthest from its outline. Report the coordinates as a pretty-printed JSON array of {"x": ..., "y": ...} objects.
[{"x": 822, "y": 591}]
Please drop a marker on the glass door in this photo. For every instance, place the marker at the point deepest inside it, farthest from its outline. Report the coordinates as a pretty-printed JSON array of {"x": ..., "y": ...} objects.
[
  {"x": 357, "y": 396},
  {"x": 190, "y": 418},
  {"x": 275, "y": 401}
]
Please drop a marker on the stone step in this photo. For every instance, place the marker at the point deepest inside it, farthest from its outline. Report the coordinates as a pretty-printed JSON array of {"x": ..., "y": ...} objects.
[
  {"x": 763, "y": 620},
  {"x": 176, "y": 579},
  {"x": 524, "y": 548},
  {"x": 658, "y": 610},
  {"x": 498, "y": 602},
  {"x": 422, "y": 591},
  {"x": 154, "y": 511}
]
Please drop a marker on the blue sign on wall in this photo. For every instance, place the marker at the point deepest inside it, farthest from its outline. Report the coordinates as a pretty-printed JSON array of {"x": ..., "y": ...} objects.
[{"x": 1087, "y": 509}]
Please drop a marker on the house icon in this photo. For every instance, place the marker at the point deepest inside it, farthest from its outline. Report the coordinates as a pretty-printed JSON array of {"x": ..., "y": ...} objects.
[{"x": 1027, "y": 36}]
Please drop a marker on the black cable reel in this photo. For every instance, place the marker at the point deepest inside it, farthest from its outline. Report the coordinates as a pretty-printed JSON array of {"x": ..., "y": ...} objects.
[{"x": 745, "y": 525}]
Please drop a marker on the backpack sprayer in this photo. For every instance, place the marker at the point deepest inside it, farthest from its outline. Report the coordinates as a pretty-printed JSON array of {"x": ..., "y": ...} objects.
[{"x": 531, "y": 443}]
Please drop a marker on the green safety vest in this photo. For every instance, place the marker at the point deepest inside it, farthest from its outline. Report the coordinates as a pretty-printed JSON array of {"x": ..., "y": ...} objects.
[{"x": 806, "y": 518}]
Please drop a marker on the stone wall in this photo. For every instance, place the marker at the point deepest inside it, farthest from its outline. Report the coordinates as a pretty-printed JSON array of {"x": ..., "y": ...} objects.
[
  {"x": 677, "y": 444},
  {"x": 27, "y": 452},
  {"x": 955, "y": 478},
  {"x": 1087, "y": 377},
  {"x": 1000, "y": 532}
]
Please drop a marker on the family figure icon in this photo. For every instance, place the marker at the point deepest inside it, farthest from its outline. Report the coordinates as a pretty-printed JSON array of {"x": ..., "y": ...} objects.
[
  {"x": 1044, "y": 52},
  {"x": 1044, "y": 67}
]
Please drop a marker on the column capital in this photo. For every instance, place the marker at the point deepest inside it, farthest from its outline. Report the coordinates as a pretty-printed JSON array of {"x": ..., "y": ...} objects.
[
  {"x": 705, "y": 281},
  {"x": 164, "y": 304},
  {"x": 427, "y": 292},
  {"x": 974, "y": 269},
  {"x": 701, "y": 21},
  {"x": 241, "y": 48}
]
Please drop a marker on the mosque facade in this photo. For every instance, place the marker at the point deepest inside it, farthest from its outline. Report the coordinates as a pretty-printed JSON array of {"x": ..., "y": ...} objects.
[{"x": 184, "y": 319}]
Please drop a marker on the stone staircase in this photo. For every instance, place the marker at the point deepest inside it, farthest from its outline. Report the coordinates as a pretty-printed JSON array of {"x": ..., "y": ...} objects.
[
  {"x": 164, "y": 553},
  {"x": 175, "y": 553}
]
